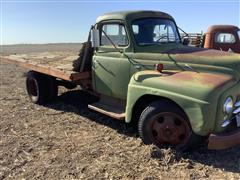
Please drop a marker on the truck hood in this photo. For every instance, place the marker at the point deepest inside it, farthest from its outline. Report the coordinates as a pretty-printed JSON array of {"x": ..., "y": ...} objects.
[
  {"x": 199, "y": 58},
  {"x": 202, "y": 54},
  {"x": 202, "y": 86},
  {"x": 207, "y": 57}
]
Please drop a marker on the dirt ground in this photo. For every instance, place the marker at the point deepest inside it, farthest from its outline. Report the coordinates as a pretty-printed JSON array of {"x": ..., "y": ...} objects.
[{"x": 66, "y": 140}]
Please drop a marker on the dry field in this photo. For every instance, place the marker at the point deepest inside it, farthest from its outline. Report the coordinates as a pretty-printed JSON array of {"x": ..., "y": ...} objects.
[{"x": 66, "y": 140}]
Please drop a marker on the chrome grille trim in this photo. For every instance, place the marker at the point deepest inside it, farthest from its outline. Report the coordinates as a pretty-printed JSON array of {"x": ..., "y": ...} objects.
[
  {"x": 237, "y": 104},
  {"x": 236, "y": 111},
  {"x": 226, "y": 123}
]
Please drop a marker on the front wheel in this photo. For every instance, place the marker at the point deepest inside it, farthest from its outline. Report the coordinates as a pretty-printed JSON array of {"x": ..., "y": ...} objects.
[{"x": 164, "y": 124}]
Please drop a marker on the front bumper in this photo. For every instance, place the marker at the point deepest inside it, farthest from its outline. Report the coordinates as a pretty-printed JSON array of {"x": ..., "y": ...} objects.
[{"x": 224, "y": 141}]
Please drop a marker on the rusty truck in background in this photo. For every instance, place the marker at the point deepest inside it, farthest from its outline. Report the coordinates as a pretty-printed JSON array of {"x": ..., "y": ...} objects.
[
  {"x": 141, "y": 71},
  {"x": 219, "y": 37}
]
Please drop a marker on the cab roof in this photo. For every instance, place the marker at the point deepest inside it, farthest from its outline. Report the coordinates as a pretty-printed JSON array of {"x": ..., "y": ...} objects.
[
  {"x": 131, "y": 15},
  {"x": 216, "y": 28}
]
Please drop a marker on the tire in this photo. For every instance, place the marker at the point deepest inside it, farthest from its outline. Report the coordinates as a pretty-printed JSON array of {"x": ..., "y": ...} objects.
[
  {"x": 164, "y": 124},
  {"x": 41, "y": 88}
]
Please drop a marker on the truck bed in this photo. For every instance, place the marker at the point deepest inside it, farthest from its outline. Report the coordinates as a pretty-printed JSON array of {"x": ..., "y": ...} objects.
[{"x": 57, "y": 64}]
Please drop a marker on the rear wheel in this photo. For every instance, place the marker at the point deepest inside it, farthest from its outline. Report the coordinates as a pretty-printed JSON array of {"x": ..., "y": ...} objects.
[
  {"x": 164, "y": 124},
  {"x": 41, "y": 88}
]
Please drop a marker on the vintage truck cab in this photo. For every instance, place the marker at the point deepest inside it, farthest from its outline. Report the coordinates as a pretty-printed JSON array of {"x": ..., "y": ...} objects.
[
  {"x": 223, "y": 37},
  {"x": 176, "y": 93}
]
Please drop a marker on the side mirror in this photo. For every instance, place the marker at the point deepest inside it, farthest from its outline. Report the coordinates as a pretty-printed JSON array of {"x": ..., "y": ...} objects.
[
  {"x": 95, "y": 38},
  {"x": 185, "y": 41}
]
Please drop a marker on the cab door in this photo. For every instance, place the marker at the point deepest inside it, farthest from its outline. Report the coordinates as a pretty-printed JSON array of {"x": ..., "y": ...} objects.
[{"x": 110, "y": 68}]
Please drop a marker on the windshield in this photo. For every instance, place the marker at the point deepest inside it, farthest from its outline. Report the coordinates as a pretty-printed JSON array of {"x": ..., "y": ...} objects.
[{"x": 152, "y": 31}]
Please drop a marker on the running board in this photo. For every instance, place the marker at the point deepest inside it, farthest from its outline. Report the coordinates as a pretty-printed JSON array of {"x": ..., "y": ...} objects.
[{"x": 114, "y": 112}]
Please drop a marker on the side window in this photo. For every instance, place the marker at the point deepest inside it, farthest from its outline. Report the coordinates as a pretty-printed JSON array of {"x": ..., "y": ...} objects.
[
  {"x": 116, "y": 32},
  {"x": 225, "y": 38}
]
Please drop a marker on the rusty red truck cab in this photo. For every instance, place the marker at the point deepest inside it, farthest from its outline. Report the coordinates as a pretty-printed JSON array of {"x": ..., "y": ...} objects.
[{"x": 223, "y": 37}]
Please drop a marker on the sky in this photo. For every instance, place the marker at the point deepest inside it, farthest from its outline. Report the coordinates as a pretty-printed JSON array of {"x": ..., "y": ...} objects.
[{"x": 51, "y": 21}]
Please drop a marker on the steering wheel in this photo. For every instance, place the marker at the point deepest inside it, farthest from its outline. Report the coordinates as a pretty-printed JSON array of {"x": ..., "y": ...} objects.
[{"x": 161, "y": 38}]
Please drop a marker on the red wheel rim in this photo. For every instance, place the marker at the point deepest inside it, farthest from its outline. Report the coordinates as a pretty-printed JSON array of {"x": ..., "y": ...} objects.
[{"x": 169, "y": 129}]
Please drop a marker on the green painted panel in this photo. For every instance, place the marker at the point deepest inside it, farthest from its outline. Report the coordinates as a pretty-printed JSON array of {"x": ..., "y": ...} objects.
[{"x": 112, "y": 74}]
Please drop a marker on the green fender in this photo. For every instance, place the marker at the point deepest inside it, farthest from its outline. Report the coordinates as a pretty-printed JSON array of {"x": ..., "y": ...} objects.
[{"x": 196, "y": 93}]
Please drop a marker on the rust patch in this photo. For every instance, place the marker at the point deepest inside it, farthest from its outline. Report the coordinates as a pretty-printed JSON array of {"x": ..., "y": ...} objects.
[
  {"x": 185, "y": 50},
  {"x": 224, "y": 141},
  {"x": 197, "y": 52},
  {"x": 207, "y": 79},
  {"x": 180, "y": 78},
  {"x": 211, "y": 52}
]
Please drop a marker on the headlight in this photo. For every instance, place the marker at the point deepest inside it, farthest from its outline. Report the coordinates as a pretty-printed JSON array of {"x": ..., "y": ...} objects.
[{"x": 228, "y": 105}]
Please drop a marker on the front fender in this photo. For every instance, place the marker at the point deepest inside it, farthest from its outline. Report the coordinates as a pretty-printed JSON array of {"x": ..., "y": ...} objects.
[{"x": 196, "y": 93}]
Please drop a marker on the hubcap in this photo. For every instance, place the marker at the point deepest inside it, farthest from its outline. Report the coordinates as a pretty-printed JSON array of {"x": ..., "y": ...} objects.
[{"x": 169, "y": 129}]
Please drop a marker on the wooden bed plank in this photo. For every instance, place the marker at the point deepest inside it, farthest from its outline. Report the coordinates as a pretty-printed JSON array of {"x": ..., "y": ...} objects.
[{"x": 55, "y": 64}]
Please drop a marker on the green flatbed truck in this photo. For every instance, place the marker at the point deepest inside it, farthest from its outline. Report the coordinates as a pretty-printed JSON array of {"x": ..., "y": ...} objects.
[{"x": 140, "y": 70}]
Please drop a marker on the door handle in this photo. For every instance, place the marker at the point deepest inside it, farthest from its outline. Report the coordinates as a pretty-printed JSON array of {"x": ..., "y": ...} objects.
[{"x": 95, "y": 63}]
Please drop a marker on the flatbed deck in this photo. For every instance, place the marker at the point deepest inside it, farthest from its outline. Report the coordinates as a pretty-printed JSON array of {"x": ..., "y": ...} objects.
[{"x": 57, "y": 64}]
